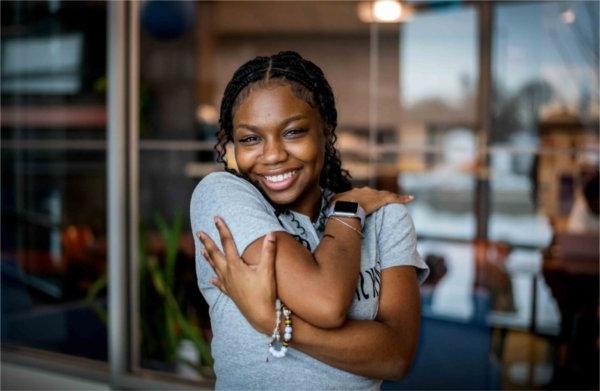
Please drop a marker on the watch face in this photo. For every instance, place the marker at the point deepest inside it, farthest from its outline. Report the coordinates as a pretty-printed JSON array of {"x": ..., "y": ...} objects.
[{"x": 346, "y": 207}]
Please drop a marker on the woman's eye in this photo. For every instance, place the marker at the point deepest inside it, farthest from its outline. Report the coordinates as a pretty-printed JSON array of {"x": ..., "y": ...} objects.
[
  {"x": 248, "y": 139},
  {"x": 294, "y": 132}
]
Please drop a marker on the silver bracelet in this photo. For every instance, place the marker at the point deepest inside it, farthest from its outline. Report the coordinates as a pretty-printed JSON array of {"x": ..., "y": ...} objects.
[{"x": 349, "y": 226}]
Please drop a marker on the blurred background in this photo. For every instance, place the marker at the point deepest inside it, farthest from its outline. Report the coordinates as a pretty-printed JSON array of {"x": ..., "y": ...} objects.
[{"x": 487, "y": 112}]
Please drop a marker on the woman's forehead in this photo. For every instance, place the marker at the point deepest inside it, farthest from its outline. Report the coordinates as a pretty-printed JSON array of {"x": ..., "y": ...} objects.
[{"x": 270, "y": 103}]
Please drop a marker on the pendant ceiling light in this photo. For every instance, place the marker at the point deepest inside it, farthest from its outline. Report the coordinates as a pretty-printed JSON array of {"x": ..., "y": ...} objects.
[{"x": 383, "y": 11}]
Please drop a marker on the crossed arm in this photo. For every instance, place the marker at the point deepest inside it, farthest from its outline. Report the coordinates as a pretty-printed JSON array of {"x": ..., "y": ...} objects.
[
  {"x": 327, "y": 276},
  {"x": 382, "y": 348}
]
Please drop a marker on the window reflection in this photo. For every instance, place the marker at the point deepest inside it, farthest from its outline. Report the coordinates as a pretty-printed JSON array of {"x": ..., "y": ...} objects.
[
  {"x": 439, "y": 76},
  {"x": 437, "y": 89},
  {"x": 542, "y": 151},
  {"x": 545, "y": 125},
  {"x": 57, "y": 61},
  {"x": 426, "y": 143},
  {"x": 543, "y": 146},
  {"x": 53, "y": 177}
]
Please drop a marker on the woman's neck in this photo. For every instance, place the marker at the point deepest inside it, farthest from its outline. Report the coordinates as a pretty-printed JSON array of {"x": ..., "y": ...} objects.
[{"x": 309, "y": 204}]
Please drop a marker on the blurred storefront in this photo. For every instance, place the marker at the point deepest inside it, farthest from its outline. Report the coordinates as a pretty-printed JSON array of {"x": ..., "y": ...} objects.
[{"x": 487, "y": 112}]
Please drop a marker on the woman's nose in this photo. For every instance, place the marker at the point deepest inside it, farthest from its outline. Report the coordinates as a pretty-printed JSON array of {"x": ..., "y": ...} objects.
[{"x": 274, "y": 152}]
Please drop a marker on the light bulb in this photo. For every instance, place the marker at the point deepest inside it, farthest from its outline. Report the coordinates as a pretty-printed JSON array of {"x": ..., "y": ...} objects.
[
  {"x": 568, "y": 16},
  {"x": 387, "y": 10}
]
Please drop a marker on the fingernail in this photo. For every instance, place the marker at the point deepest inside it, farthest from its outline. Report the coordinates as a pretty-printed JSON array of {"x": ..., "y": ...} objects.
[
  {"x": 216, "y": 219},
  {"x": 201, "y": 235},
  {"x": 271, "y": 237},
  {"x": 411, "y": 197}
]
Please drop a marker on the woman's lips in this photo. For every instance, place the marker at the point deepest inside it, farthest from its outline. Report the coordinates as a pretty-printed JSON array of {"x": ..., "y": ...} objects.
[{"x": 279, "y": 182}]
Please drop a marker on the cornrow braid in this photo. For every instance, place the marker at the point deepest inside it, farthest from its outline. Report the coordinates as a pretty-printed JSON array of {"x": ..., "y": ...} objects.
[{"x": 307, "y": 82}]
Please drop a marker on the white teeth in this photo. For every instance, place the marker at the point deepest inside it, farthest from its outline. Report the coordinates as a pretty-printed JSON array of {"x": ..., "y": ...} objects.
[{"x": 281, "y": 177}]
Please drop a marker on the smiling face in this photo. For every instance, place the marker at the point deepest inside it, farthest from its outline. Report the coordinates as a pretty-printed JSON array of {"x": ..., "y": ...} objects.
[{"x": 279, "y": 144}]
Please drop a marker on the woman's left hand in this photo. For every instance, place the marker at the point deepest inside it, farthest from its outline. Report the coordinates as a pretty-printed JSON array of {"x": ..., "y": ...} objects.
[{"x": 252, "y": 288}]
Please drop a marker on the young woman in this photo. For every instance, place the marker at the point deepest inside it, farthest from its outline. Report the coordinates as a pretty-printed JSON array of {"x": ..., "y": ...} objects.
[{"x": 286, "y": 224}]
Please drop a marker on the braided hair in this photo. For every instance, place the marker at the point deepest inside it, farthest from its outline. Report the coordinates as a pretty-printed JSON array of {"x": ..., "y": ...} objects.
[{"x": 307, "y": 82}]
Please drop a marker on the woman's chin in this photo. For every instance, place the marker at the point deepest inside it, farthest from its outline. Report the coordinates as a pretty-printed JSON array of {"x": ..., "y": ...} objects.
[{"x": 282, "y": 199}]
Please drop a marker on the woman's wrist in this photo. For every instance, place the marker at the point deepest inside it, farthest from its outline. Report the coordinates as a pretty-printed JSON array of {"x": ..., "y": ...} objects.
[
  {"x": 351, "y": 223},
  {"x": 265, "y": 322}
]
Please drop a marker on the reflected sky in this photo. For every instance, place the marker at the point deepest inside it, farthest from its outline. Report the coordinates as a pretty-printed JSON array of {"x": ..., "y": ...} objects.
[
  {"x": 438, "y": 55},
  {"x": 531, "y": 41},
  {"x": 534, "y": 41}
]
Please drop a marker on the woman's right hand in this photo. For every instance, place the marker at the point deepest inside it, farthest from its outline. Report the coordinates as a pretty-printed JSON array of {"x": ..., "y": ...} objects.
[
  {"x": 371, "y": 199},
  {"x": 252, "y": 288}
]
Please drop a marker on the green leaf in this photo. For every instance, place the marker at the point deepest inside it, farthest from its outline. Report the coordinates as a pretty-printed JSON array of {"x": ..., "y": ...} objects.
[{"x": 91, "y": 295}]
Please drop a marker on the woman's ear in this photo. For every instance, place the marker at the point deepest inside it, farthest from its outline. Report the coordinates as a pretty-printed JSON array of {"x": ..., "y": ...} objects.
[{"x": 230, "y": 161}]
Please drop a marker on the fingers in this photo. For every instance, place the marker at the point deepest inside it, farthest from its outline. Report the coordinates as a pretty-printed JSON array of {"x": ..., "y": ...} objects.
[
  {"x": 219, "y": 284},
  {"x": 215, "y": 268},
  {"x": 268, "y": 253},
  {"x": 218, "y": 280},
  {"x": 213, "y": 255},
  {"x": 405, "y": 199},
  {"x": 394, "y": 198},
  {"x": 226, "y": 238},
  {"x": 387, "y": 197}
]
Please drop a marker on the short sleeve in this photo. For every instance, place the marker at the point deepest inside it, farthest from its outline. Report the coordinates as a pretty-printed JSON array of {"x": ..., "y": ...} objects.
[
  {"x": 244, "y": 210},
  {"x": 397, "y": 240}
]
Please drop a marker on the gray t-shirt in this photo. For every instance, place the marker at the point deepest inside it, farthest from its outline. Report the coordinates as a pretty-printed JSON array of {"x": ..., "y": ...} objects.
[{"x": 240, "y": 351}]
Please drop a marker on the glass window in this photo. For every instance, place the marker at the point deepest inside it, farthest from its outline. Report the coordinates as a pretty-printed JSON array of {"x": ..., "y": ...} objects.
[
  {"x": 436, "y": 128},
  {"x": 436, "y": 156},
  {"x": 545, "y": 118},
  {"x": 544, "y": 140},
  {"x": 535, "y": 143},
  {"x": 53, "y": 131}
]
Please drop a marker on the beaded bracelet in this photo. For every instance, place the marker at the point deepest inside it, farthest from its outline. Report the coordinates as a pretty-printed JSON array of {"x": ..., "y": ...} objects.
[
  {"x": 277, "y": 347},
  {"x": 287, "y": 331}
]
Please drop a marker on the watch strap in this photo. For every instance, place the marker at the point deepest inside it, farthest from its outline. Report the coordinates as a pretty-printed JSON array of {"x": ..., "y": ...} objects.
[{"x": 360, "y": 213}]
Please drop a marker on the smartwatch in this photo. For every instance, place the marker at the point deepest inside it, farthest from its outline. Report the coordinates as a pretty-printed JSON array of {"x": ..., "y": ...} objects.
[{"x": 347, "y": 209}]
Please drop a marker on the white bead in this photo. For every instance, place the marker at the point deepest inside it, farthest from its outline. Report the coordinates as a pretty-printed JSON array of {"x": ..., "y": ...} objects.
[
  {"x": 288, "y": 329},
  {"x": 287, "y": 336}
]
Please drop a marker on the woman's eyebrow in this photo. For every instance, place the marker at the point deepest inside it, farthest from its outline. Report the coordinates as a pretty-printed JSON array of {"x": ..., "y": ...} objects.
[
  {"x": 291, "y": 119},
  {"x": 282, "y": 124},
  {"x": 249, "y": 127}
]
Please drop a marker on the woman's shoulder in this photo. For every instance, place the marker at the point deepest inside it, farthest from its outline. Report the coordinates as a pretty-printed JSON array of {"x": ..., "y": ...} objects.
[
  {"x": 393, "y": 214},
  {"x": 222, "y": 178},
  {"x": 392, "y": 218},
  {"x": 222, "y": 181},
  {"x": 225, "y": 186}
]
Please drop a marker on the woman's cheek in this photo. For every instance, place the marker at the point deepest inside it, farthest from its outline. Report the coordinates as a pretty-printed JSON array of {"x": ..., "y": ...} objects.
[
  {"x": 308, "y": 152},
  {"x": 245, "y": 158}
]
